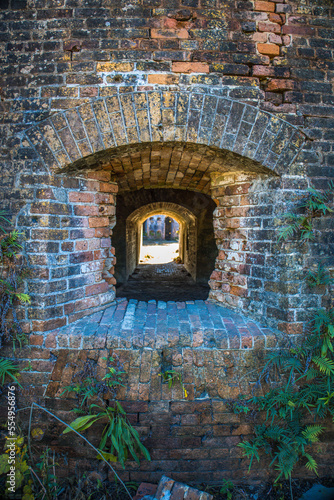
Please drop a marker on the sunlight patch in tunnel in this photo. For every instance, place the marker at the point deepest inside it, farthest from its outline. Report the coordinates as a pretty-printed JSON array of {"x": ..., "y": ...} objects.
[{"x": 160, "y": 240}]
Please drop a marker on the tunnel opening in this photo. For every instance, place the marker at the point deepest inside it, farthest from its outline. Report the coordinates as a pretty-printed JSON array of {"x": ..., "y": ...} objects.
[
  {"x": 160, "y": 240},
  {"x": 176, "y": 226}
]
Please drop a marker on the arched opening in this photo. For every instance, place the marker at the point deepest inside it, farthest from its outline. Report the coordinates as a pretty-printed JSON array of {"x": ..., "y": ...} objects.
[
  {"x": 235, "y": 156},
  {"x": 182, "y": 279},
  {"x": 160, "y": 242}
]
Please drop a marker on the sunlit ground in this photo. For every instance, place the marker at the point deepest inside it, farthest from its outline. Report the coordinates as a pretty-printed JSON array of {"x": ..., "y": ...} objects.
[{"x": 158, "y": 253}]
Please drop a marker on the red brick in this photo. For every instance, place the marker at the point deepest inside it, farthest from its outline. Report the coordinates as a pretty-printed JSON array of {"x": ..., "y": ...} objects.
[
  {"x": 298, "y": 30},
  {"x": 67, "y": 246},
  {"x": 42, "y": 365},
  {"x": 51, "y": 341},
  {"x": 216, "y": 275},
  {"x": 278, "y": 85},
  {"x": 45, "y": 193},
  {"x": 111, "y": 281},
  {"x": 105, "y": 243},
  {"x": 81, "y": 197},
  {"x": 77, "y": 258},
  {"x": 104, "y": 198},
  {"x": 277, "y": 18},
  {"x": 99, "y": 175},
  {"x": 264, "y": 6},
  {"x": 273, "y": 38},
  {"x": 163, "y": 79},
  {"x": 238, "y": 291},
  {"x": 260, "y": 37},
  {"x": 51, "y": 324},
  {"x": 89, "y": 91},
  {"x": 98, "y": 288},
  {"x": 86, "y": 303},
  {"x": 98, "y": 221},
  {"x": 36, "y": 340},
  {"x": 107, "y": 187},
  {"x": 190, "y": 67},
  {"x": 94, "y": 244},
  {"x": 291, "y": 328},
  {"x": 269, "y": 27},
  {"x": 268, "y": 49},
  {"x": 181, "y": 33},
  {"x": 101, "y": 254},
  {"x": 102, "y": 232},
  {"x": 81, "y": 245},
  {"x": 85, "y": 210}
]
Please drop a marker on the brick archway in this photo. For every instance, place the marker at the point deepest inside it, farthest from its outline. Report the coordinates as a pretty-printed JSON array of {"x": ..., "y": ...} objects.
[{"x": 199, "y": 142}]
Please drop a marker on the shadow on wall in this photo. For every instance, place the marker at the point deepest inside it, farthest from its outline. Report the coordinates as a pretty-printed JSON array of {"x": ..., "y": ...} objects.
[{"x": 200, "y": 205}]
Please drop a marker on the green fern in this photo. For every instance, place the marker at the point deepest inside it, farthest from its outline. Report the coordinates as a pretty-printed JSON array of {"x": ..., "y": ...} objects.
[
  {"x": 318, "y": 277},
  {"x": 314, "y": 205},
  {"x": 306, "y": 373},
  {"x": 312, "y": 432},
  {"x": 325, "y": 365}
]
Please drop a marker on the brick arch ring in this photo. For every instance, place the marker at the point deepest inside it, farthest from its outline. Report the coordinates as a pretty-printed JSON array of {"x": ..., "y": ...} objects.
[
  {"x": 188, "y": 233},
  {"x": 74, "y": 136}
]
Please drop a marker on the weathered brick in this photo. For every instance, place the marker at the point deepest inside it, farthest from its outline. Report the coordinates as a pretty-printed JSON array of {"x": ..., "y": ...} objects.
[
  {"x": 81, "y": 197},
  {"x": 98, "y": 221},
  {"x": 190, "y": 67},
  {"x": 264, "y": 6},
  {"x": 269, "y": 49}
]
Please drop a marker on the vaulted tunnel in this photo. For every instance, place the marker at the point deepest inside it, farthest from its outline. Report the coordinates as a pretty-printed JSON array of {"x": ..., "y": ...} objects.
[{"x": 192, "y": 210}]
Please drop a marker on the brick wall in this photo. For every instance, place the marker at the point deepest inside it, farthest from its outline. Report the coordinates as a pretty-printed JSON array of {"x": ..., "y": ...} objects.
[
  {"x": 229, "y": 99},
  {"x": 67, "y": 227},
  {"x": 194, "y": 439}
]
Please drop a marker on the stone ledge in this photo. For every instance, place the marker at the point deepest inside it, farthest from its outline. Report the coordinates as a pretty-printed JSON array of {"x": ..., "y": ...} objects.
[{"x": 159, "y": 325}]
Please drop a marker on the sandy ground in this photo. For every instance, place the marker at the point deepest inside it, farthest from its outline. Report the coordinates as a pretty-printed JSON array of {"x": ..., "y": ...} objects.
[{"x": 158, "y": 253}]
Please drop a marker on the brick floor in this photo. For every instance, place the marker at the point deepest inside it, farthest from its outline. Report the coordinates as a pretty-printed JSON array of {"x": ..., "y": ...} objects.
[{"x": 159, "y": 324}]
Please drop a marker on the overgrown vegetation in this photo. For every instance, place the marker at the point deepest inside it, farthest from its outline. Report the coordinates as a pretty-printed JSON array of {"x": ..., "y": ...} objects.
[
  {"x": 119, "y": 440},
  {"x": 314, "y": 205},
  {"x": 13, "y": 271},
  {"x": 87, "y": 386},
  {"x": 296, "y": 410},
  {"x": 172, "y": 377},
  {"x": 8, "y": 370}
]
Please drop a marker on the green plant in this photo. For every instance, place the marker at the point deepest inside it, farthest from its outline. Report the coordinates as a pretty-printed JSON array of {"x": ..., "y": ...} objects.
[
  {"x": 119, "y": 439},
  {"x": 8, "y": 370},
  {"x": 87, "y": 386},
  {"x": 3, "y": 218},
  {"x": 312, "y": 206},
  {"x": 21, "y": 466},
  {"x": 303, "y": 393},
  {"x": 172, "y": 377},
  {"x": 14, "y": 271},
  {"x": 226, "y": 489},
  {"x": 44, "y": 474},
  {"x": 308, "y": 394},
  {"x": 318, "y": 277},
  {"x": 35, "y": 405}
]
